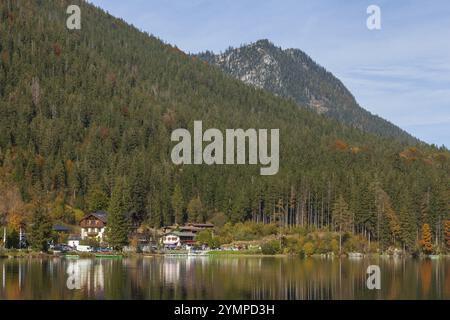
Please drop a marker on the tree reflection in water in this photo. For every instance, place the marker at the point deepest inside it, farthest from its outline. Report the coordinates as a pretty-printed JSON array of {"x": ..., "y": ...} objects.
[{"x": 221, "y": 278}]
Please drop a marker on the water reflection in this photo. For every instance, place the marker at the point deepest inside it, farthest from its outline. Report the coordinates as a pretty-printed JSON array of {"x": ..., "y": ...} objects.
[
  {"x": 85, "y": 274},
  {"x": 221, "y": 278}
]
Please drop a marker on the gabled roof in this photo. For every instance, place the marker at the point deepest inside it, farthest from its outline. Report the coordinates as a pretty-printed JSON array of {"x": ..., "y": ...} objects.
[
  {"x": 201, "y": 225},
  {"x": 101, "y": 215},
  {"x": 60, "y": 228},
  {"x": 181, "y": 234}
]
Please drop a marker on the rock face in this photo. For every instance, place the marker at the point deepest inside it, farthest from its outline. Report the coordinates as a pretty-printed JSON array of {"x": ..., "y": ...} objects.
[{"x": 293, "y": 74}]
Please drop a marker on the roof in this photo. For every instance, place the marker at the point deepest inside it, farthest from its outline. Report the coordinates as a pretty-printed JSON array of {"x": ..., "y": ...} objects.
[
  {"x": 181, "y": 234},
  {"x": 60, "y": 228},
  {"x": 201, "y": 225},
  {"x": 192, "y": 228},
  {"x": 100, "y": 215}
]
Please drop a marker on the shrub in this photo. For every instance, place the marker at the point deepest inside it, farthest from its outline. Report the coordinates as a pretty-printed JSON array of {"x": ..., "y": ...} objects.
[
  {"x": 271, "y": 247},
  {"x": 334, "y": 246},
  {"x": 308, "y": 248}
]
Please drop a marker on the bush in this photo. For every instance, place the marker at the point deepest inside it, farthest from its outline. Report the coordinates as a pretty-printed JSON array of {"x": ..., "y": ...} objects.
[
  {"x": 334, "y": 246},
  {"x": 271, "y": 247},
  {"x": 308, "y": 249},
  {"x": 247, "y": 231}
]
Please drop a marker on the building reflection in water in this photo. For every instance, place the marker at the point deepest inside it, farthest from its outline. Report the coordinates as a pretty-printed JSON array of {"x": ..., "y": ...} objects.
[
  {"x": 85, "y": 274},
  {"x": 171, "y": 270},
  {"x": 3, "y": 277}
]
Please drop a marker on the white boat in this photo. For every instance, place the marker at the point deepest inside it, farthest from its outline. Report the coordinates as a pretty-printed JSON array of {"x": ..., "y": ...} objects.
[
  {"x": 198, "y": 252},
  {"x": 355, "y": 255}
]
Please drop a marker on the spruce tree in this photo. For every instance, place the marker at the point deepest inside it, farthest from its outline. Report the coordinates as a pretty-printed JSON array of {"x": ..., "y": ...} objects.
[
  {"x": 195, "y": 210},
  {"x": 407, "y": 224},
  {"x": 40, "y": 233},
  {"x": 118, "y": 226},
  {"x": 177, "y": 205},
  {"x": 342, "y": 218},
  {"x": 97, "y": 200}
]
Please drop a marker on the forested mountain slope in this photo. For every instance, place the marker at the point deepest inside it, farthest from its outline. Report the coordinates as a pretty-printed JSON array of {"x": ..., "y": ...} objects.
[
  {"x": 86, "y": 118},
  {"x": 292, "y": 74}
]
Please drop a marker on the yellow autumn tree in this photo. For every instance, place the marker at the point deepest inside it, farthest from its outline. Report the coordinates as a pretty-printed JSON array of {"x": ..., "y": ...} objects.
[{"x": 426, "y": 241}]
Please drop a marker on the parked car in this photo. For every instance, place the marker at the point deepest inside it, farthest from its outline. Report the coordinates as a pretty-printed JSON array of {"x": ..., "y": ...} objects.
[
  {"x": 83, "y": 248},
  {"x": 60, "y": 248}
]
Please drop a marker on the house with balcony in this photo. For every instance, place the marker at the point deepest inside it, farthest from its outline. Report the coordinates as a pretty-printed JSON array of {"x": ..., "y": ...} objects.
[
  {"x": 93, "y": 226},
  {"x": 174, "y": 239}
]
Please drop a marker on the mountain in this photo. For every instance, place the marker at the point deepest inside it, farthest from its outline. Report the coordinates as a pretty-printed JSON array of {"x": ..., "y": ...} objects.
[
  {"x": 86, "y": 118},
  {"x": 293, "y": 74}
]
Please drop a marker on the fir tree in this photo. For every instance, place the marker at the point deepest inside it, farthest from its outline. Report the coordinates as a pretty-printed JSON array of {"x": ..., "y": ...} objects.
[
  {"x": 177, "y": 205},
  {"x": 342, "y": 218},
  {"x": 195, "y": 210},
  {"x": 40, "y": 233},
  {"x": 97, "y": 200},
  {"x": 407, "y": 225},
  {"x": 118, "y": 226}
]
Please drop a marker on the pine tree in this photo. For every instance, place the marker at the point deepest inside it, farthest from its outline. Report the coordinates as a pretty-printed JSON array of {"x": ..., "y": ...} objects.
[
  {"x": 97, "y": 200},
  {"x": 342, "y": 218},
  {"x": 118, "y": 223},
  {"x": 407, "y": 225},
  {"x": 426, "y": 241},
  {"x": 388, "y": 229},
  {"x": 341, "y": 215},
  {"x": 40, "y": 233},
  {"x": 195, "y": 210},
  {"x": 439, "y": 210},
  {"x": 177, "y": 205},
  {"x": 366, "y": 215}
]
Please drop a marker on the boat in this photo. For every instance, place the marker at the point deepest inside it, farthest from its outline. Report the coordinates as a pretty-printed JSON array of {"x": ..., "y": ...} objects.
[
  {"x": 109, "y": 256},
  {"x": 355, "y": 255},
  {"x": 198, "y": 252}
]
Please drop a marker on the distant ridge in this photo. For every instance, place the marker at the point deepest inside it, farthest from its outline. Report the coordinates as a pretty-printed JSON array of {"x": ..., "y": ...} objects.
[{"x": 293, "y": 74}]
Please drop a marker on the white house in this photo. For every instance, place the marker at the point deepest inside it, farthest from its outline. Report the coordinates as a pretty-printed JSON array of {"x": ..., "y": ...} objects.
[
  {"x": 93, "y": 226},
  {"x": 175, "y": 239}
]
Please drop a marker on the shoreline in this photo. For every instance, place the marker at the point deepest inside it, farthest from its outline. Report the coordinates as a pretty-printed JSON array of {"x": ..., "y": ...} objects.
[{"x": 16, "y": 254}]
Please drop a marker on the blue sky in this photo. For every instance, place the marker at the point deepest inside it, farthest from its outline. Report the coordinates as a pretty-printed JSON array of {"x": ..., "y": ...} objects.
[{"x": 401, "y": 72}]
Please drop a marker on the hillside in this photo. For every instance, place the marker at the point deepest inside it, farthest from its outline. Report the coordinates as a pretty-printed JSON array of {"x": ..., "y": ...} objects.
[
  {"x": 292, "y": 74},
  {"x": 86, "y": 118}
]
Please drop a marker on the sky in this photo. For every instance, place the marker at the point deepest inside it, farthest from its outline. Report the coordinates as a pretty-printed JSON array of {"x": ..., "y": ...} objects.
[{"x": 400, "y": 72}]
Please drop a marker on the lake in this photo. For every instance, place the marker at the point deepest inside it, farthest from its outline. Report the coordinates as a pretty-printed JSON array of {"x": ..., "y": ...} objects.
[{"x": 221, "y": 277}]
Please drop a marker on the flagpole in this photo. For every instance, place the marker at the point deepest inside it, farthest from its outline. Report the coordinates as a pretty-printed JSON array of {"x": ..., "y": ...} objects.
[{"x": 4, "y": 237}]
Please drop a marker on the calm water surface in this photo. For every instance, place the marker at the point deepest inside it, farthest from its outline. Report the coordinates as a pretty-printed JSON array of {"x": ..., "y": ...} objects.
[{"x": 221, "y": 278}]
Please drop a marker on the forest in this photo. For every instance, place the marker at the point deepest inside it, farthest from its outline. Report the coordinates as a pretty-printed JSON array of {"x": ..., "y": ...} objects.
[{"x": 85, "y": 123}]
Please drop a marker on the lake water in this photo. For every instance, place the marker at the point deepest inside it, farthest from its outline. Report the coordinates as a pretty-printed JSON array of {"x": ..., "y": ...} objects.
[{"x": 229, "y": 277}]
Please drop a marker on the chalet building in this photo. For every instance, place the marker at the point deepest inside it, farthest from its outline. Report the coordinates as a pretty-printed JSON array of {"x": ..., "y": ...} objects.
[
  {"x": 175, "y": 239},
  {"x": 93, "y": 226}
]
